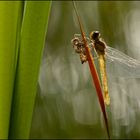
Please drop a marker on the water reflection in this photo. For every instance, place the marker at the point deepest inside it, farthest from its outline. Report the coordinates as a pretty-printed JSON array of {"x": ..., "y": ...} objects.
[{"x": 67, "y": 105}]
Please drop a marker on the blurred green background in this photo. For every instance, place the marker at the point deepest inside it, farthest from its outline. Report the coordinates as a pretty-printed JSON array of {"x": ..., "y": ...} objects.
[{"x": 66, "y": 103}]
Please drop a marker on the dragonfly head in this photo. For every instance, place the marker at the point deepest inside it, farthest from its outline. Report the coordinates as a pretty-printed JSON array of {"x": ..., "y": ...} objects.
[{"x": 94, "y": 35}]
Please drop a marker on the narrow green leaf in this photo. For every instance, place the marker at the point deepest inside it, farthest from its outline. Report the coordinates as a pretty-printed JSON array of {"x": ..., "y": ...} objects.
[
  {"x": 33, "y": 33},
  {"x": 9, "y": 20}
]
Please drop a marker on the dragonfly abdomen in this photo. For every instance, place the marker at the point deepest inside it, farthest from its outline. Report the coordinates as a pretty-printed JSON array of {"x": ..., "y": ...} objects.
[{"x": 104, "y": 78}]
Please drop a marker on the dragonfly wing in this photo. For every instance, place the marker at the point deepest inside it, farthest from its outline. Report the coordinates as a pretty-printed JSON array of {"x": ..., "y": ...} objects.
[{"x": 121, "y": 65}]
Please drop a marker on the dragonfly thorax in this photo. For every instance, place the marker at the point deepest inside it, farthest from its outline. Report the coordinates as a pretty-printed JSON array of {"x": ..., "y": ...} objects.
[{"x": 99, "y": 44}]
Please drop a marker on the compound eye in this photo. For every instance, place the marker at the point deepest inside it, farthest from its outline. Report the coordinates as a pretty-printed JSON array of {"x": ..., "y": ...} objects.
[
  {"x": 94, "y": 35},
  {"x": 96, "y": 32}
]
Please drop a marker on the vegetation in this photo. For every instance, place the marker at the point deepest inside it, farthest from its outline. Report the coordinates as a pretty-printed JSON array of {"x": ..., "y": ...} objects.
[{"x": 22, "y": 36}]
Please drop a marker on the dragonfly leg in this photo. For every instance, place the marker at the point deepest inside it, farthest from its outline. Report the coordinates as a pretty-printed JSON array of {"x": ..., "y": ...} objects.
[
  {"x": 88, "y": 39},
  {"x": 96, "y": 52},
  {"x": 97, "y": 56},
  {"x": 92, "y": 48}
]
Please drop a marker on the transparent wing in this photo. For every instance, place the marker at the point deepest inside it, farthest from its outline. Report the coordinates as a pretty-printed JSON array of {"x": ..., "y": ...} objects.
[
  {"x": 118, "y": 63},
  {"x": 121, "y": 65}
]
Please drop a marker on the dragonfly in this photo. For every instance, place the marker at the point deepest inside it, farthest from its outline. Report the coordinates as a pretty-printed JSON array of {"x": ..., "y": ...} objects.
[
  {"x": 110, "y": 60},
  {"x": 81, "y": 47},
  {"x": 98, "y": 45}
]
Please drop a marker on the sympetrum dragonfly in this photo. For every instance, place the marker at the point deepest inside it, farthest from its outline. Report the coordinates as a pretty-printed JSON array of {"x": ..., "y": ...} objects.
[
  {"x": 99, "y": 46},
  {"x": 112, "y": 59}
]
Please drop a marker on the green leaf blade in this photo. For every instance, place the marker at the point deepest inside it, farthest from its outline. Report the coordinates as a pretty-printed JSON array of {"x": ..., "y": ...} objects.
[{"x": 33, "y": 33}]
